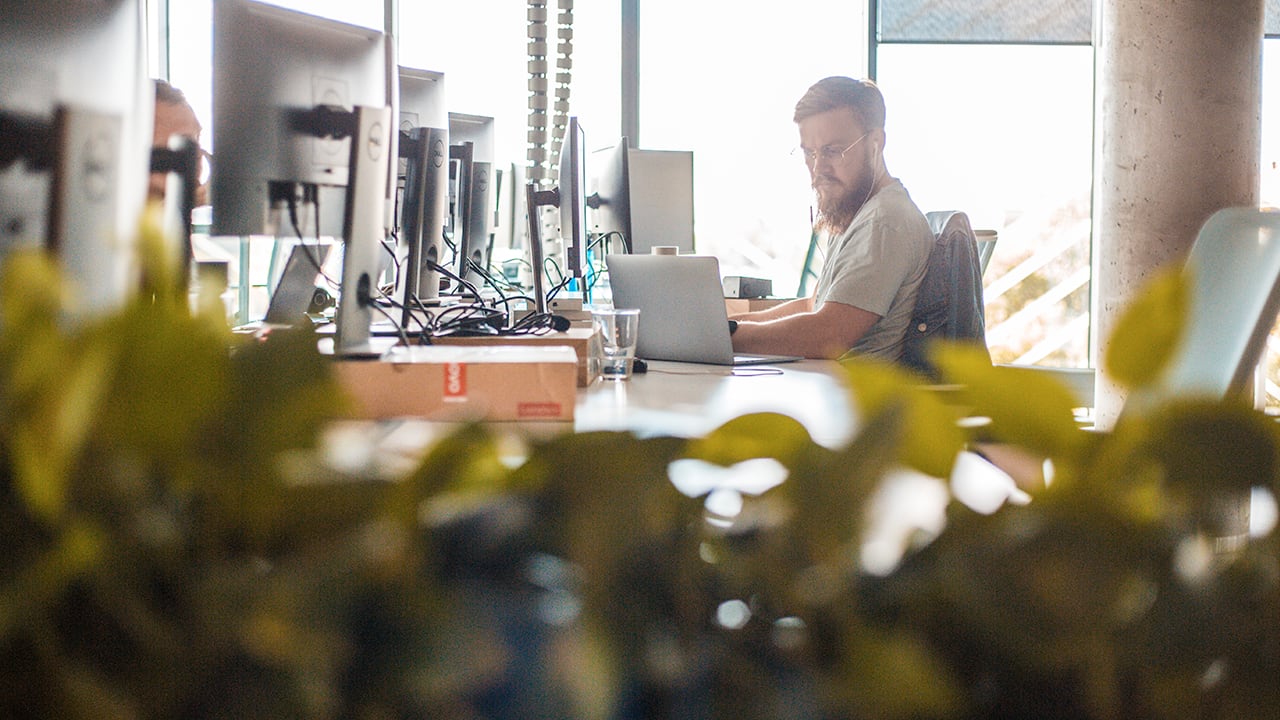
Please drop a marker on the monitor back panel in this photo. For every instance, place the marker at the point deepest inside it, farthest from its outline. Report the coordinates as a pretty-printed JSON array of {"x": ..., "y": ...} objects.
[{"x": 661, "y": 183}]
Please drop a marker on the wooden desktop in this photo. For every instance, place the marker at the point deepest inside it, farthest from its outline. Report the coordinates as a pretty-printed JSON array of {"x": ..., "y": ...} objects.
[{"x": 671, "y": 398}]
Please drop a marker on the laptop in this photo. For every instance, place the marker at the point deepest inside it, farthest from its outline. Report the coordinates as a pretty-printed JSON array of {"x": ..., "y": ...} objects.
[
  {"x": 682, "y": 310},
  {"x": 292, "y": 297}
]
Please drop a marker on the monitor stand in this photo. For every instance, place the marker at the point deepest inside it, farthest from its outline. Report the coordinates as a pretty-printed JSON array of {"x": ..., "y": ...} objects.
[
  {"x": 83, "y": 205},
  {"x": 535, "y": 199},
  {"x": 362, "y": 232},
  {"x": 422, "y": 225}
]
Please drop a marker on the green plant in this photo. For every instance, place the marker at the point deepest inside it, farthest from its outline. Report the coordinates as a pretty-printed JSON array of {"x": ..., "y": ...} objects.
[{"x": 177, "y": 546}]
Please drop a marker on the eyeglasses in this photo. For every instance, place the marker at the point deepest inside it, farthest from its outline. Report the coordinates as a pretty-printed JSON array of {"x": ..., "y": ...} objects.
[{"x": 831, "y": 153}]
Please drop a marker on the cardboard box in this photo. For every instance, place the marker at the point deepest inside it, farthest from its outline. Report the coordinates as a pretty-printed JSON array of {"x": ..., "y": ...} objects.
[
  {"x": 743, "y": 305},
  {"x": 571, "y": 309},
  {"x": 582, "y": 340},
  {"x": 464, "y": 383}
]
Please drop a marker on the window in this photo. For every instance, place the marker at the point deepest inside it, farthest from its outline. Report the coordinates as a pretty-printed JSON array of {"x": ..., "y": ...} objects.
[
  {"x": 994, "y": 114},
  {"x": 1004, "y": 133},
  {"x": 1270, "y": 182},
  {"x": 722, "y": 81}
]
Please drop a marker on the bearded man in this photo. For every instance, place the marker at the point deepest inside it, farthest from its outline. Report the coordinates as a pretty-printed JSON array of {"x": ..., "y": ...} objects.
[
  {"x": 174, "y": 116},
  {"x": 877, "y": 241}
]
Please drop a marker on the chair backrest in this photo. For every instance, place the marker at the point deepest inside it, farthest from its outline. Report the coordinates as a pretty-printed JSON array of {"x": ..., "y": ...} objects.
[
  {"x": 986, "y": 248},
  {"x": 949, "y": 304},
  {"x": 1234, "y": 266}
]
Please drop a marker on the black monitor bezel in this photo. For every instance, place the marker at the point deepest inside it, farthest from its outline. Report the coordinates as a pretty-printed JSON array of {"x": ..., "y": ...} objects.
[{"x": 573, "y": 200}]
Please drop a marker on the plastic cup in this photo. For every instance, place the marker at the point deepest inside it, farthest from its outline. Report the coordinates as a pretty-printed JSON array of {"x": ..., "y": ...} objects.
[{"x": 618, "y": 329}]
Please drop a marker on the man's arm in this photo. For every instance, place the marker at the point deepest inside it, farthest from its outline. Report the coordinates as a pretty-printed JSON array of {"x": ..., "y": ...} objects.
[
  {"x": 781, "y": 310},
  {"x": 828, "y": 332}
]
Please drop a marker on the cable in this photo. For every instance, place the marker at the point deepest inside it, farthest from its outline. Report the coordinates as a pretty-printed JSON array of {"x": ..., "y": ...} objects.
[
  {"x": 388, "y": 244},
  {"x": 465, "y": 283},
  {"x": 560, "y": 281},
  {"x": 453, "y": 249},
  {"x": 404, "y": 336},
  {"x": 487, "y": 276},
  {"x": 601, "y": 267},
  {"x": 291, "y": 203},
  {"x": 564, "y": 283},
  {"x": 464, "y": 320}
]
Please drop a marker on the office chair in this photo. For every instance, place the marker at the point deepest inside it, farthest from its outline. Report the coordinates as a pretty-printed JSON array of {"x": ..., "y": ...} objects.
[
  {"x": 949, "y": 304},
  {"x": 1234, "y": 267},
  {"x": 986, "y": 248},
  {"x": 807, "y": 272}
]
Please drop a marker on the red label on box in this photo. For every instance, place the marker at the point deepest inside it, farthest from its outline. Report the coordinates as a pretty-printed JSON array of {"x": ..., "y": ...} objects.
[
  {"x": 538, "y": 409},
  {"x": 455, "y": 382}
]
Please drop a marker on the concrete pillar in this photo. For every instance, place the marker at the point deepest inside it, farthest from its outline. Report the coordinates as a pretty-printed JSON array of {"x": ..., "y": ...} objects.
[{"x": 1178, "y": 123}]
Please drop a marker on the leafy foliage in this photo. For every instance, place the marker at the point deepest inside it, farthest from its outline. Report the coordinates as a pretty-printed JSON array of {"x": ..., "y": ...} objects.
[
  {"x": 1150, "y": 331},
  {"x": 179, "y": 545}
]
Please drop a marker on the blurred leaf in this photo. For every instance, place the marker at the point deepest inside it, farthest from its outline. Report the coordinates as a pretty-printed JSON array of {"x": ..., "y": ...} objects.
[
  {"x": 1027, "y": 408},
  {"x": 282, "y": 392},
  {"x": 1189, "y": 461},
  {"x": 74, "y": 552},
  {"x": 162, "y": 283},
  {"x": 830, "y": 496},
  {"x": 32, "y": 293},
  {"x": 466, "y": 462},
  {"x": 1149, "y": 330},
  {"x": 622, "y": 523},
  {"x": 614, "y": 486},
  {"x": 33, "y": 349},
  {"x": 934, "y": 438},
  {"x": 757, "y": 435},
  {"x": 317, "y": 512},
  {"x": 47, "y": 444},
  {"x": 896, "y": 676},
  {"x": 169, "y": 378},
  {"x": 1216, "y": 447}
]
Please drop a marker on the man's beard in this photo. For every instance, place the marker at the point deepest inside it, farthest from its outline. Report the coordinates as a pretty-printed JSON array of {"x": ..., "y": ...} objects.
[{"x": 836, "y": 212}]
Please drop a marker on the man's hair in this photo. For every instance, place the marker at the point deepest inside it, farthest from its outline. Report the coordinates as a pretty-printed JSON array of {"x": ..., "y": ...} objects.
[
  {"x": 170, "y": 95},
  {"x": 861, "y": 96}
]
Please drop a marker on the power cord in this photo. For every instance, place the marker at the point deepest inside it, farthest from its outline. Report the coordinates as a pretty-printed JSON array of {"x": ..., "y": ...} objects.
[{"x": 291, "y": 204}]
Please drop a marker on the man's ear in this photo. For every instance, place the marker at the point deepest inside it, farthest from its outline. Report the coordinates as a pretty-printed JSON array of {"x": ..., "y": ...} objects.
[{"x": 877, "y": 141}]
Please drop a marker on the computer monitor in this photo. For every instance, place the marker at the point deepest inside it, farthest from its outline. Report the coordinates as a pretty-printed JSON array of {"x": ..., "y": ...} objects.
[
  {"x": 512, "y": 228},
  {"x": 573, "y": 199},
  {"x": 661, "y": 199},
  {"x": 301, "y": 115},
  {"x": 423, "y": 193},
  {"x": 610, "y": 201},
  {"x": 76, "y": 112},
  {"x": 271, "y": 66},
  {"x": 474, "y": 193},
  {"x": 471, "y": 192},
  {"x": 570, "y": 199}
]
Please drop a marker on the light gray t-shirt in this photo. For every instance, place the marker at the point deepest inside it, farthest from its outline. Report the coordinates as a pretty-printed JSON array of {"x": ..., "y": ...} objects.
[{"x": 877, "y": 265}]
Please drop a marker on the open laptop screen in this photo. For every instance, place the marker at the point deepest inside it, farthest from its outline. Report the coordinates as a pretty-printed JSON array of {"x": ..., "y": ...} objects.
[{"x": 682, "y": 309}]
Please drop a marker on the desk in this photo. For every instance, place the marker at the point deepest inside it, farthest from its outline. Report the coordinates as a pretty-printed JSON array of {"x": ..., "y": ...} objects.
[
  {"x": 688, "y": 400},
  {"x": 678, "y": 399}
]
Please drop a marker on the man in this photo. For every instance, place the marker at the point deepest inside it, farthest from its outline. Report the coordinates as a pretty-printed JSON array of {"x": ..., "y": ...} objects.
[
  {"x": 174, "y": 116},
  {"x": 877, "y": 240}
]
